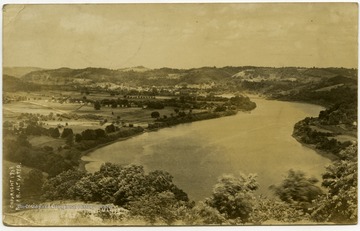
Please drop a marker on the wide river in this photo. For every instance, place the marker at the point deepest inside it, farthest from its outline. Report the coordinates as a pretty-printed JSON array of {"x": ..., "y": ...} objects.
[{"x": 196, "y": 154}]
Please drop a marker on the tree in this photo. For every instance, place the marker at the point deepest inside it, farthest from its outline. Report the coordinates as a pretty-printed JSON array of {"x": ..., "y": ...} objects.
[
  {"x": 111, "y": 184},
  {"x": 97, "y": 105},
  {"x": 78, "y": 138},
  {"x": 182, "y": 114},
  {"x": 55, "y": 164},
  {"x": 59, "y": 187},
  {"x": 266, "y": 210},
  {"x": 340, "y": 203},
  {"x": 86, "y": 189},
  {"x": 203, "y": 214},
  {"x": 33, "y": 130},
  {"x": 155, "y": 105},
  {"x": 110, "y": 128},
  {"x": 155, "y": 114},
  {"x": 33, "y": 182},
  {"x": 233, "y": 196},
  {"x": 155, "y": 91},
  {"x": 100, "y": 133},
  {"x": 70, "y": 140},
  {"x": 54, "y": 132},
  {"x": 88, "y": 134},
  {"x": 67, "y": 132},
  {"x": 220, "y": 108},
  {"x": 161, "y": 181},
  {"x": 132, "y": 185},
  {"x": 156, "y": 208},
  {"x": 297, "y": 188}
]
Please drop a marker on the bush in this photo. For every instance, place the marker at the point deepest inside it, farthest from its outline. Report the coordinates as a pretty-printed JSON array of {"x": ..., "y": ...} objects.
[
  {"x": 266, "y": 210},
  {"x": 97, "y": 105},
  {"x": 340, "y": 204},
  {"x": 203, "y": 214},
  {"x": 155, "y": 114},
  {"x": 297, "y": 189},
  {"x": 156, "y": 208},
  {"x": 233, "y": 196}
]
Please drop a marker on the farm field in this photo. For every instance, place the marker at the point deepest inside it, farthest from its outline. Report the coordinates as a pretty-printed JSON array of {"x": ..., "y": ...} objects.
[{"x": 86, "y": 116}]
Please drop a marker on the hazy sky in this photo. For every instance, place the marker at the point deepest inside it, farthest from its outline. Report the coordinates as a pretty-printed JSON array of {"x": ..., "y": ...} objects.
[{"x": 180, "y": 35}]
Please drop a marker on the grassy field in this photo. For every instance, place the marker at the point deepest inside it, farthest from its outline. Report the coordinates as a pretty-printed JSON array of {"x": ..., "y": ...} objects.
[
  {"x": 345, "y": 135},
  {"x": 344, "y": 138},
  {"x": 41, "y": 141},
  {"x": 42, "y": 103}
]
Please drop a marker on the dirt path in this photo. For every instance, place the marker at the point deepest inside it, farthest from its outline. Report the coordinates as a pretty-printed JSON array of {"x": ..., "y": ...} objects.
[{"x": 45, "y": 106}]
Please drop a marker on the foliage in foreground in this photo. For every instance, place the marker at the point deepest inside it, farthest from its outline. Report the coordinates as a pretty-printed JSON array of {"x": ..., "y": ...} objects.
[
  {"x": 153, "y": 198},
  {"x": 111, "y": 184},
  {"x": 298, "y": 190},
  {"x": 233, "y": 197},
  {"x": 339, "y": 205}
]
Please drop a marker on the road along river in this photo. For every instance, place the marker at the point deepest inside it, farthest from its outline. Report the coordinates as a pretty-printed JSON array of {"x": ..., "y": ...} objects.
[{"x": 196, "y": 154}]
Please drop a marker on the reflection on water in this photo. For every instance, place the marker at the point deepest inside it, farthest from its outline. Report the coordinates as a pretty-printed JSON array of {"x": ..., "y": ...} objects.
[{"x": 197, "y": 154}]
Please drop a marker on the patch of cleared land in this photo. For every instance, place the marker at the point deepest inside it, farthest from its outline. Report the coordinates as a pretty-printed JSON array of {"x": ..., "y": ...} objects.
[
  {"x": 41, "y": 141},
  {"x": 87, "y": 116},
  {"x": 344, "y": 138},
  {"x": 330, "y": 87},
  {"x": 345, "y": 135}
]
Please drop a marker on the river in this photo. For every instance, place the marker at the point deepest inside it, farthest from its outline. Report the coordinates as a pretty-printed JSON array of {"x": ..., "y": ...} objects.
[{"x": 196, "y": 154}]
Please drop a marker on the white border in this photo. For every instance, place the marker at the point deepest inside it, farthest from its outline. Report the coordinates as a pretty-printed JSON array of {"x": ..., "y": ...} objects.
[{"x": 191, "y": 228}]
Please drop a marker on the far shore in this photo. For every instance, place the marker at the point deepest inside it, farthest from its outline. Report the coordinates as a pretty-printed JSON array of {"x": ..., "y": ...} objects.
[
  {"x": 82, "y": 163},
  {"x": 87, "y": 152}
]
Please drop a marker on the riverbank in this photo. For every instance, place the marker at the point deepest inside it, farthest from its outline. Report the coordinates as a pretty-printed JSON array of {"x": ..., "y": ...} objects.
[
  {"x": 322, "y": 141},
  {"x": 189, "y": 118},
  {"x": 327, "y": 155},
  {"x": 82, "y": 162},
  {"x": 161, "y": 123}
]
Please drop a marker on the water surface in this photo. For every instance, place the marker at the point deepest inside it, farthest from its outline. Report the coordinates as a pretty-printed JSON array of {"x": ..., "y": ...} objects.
[{"x": 196, "y": 154}]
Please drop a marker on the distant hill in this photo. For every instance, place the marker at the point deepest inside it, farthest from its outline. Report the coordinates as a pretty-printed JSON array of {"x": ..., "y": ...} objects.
[
  {"x": 66, "y": 76},
  {"x": 263, "y": 79},
  {"x": 19, "y": 71},
  {"x": 136, "y": 69},
  {"x": 11, "y": 84},
  {"x": 257, "y": 74}
]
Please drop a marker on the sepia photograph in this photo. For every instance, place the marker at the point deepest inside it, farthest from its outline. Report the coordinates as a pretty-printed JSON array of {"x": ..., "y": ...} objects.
[{"x": 180, "y": 114}]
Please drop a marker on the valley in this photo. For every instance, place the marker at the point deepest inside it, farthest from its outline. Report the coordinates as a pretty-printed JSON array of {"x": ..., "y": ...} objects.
[{"x": 64, "y": 121}]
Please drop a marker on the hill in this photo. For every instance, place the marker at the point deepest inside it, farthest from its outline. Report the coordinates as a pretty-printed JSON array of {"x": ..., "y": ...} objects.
[
  {"x": 19, "y": 71},
  {"x": 163, "y": 76},
  {"x": 285, "y": 83},
  {"x": 11, "y": 83},
  {"x": 137, "y": 69}
]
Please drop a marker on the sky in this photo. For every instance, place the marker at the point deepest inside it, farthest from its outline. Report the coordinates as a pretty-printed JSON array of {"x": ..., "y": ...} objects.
[{"x": 181, "y": 35}]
